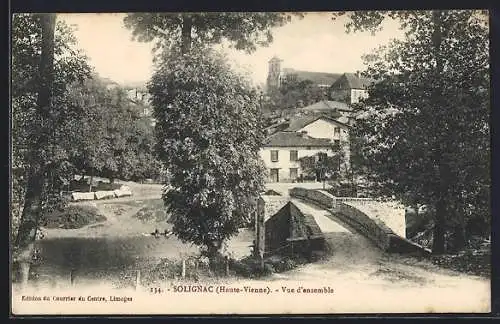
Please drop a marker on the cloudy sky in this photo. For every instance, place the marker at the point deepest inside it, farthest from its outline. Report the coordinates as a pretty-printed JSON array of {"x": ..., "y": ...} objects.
[{"x": 314, "y": 43}]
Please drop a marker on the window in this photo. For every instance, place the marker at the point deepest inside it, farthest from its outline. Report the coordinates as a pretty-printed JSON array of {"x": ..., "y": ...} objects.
[
  {"x": 274, "y": 156},
  {"x": 275, "y": 175},
  {"x": 294, "y": 156},
  {"x": 293, "y": 173},
  {"x": 337, "y": 164},
  {"x": 321, "y": 156},
  {"x": 336, "y": 131},
  {"x": 336, "y": 143}
]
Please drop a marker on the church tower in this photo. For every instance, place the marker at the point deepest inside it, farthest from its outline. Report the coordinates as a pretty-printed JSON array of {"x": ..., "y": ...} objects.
[{"x": 273, "y": 74}]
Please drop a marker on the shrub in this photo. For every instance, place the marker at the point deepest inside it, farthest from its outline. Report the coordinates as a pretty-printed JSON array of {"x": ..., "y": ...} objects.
[
  {"x": 103, "y": 186},
  {"x": 72, "y": 217},
  {"x": 151, "y": 214},
  {"x": 283, "y": 264},
  {"x": 250, "y": 267}
]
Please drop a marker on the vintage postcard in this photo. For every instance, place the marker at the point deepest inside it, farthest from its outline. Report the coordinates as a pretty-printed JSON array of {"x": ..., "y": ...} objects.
[{"x": 250, "y": 163}]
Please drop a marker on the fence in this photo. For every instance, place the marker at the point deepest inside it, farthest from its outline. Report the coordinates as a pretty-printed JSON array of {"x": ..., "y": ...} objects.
[{"x": 186, "y": 268}]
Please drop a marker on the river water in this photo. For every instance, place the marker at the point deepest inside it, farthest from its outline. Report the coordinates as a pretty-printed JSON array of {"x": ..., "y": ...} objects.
[{"x": 93, "y": 258}]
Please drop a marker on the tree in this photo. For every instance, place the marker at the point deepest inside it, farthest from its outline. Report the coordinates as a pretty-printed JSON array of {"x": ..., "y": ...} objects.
[
  {"x": 93, "y": 149},
  {"x": 245, "y": 30},
  {"x": 115, "y": 140},
  {"x": 43, "y": 63},
  {"x": 300, "y": 93},
  {"x": 425, "y": 129},
  {"x": 208, "y": 137},
  {"x": 324, "y": 166}
]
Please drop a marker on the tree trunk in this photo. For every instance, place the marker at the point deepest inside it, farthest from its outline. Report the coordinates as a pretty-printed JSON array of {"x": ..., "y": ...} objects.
[
  {"x": 459, "y": 231},
  {"x": 187, "y": 26},
  {"x": 438, "y": 245},
  {"x": 438, "y": 242},
  {"x": 36, "y": 180},
  {"x": 29, "y": 223},
  {"x": 213, "y": 251},
  {"x": 91, "y": 180}
]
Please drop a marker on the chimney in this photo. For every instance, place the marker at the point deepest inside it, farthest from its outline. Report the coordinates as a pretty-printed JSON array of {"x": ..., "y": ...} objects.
[{"x": 358, "y": 74}]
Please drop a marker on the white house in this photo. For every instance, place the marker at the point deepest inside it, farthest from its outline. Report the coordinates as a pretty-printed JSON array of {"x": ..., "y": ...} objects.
[{"x": 305, "y": 136}]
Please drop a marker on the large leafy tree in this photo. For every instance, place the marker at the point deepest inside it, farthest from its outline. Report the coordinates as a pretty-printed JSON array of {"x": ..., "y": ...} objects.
[
  {"x": 207, "y": 118},
  {"x": 115, "y": 140},
  {"x": 44, "y": 62},
  {"x": 208, "y": 137},
  {"x": 425, "y": 128},
  {"x": 244, "y": 30}
]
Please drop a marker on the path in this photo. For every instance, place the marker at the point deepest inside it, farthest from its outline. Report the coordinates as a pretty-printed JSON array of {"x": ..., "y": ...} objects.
[{"x": 322, "y": 217}]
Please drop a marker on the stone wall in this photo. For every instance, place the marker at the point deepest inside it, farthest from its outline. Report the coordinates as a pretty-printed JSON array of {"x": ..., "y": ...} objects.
[
  {"x": 382, "y": 223},
  {"x": 267, "y": 206},
  {"x": 319, "y": 197},
  {"x": 387, "y": 214},
  {"x": 377, "y": 233}
]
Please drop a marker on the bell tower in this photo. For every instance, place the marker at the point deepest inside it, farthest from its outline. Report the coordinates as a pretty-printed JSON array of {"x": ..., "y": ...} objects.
[{"x": 274, "y": 73}]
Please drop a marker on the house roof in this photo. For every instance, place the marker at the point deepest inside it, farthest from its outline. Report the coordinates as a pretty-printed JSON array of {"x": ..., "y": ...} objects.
[
  {"x": 353, "y": 81},
  {"x": 316, "y": 77},
  {"x": 294, "y": 139},
  {"x": 327, "y": 105},
  {"x": 297, "y": 123}
]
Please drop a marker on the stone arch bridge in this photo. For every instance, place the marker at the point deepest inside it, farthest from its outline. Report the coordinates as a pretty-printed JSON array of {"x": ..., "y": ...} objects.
[{"x": 383, "y": 223}]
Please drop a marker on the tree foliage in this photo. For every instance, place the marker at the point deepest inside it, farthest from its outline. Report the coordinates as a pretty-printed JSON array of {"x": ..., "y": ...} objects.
[
  {"x": 208, "y": 137},
  {"x": 425, "y": 128},
  {"x": 322, "y": 166},
  {"x": 244, "y": 30},
  {"x": 82, "y": 127},
  {"x": 42, "y": 115},
  {"x": 295, "y": 94},
  {"x": 115, "y": 139}
]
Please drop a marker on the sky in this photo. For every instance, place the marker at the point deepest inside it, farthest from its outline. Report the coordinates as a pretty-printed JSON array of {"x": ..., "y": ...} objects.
[{"x": 314, "y": 43}]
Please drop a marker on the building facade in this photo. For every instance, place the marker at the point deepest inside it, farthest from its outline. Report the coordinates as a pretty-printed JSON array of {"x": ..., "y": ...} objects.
[
  {"x": 308, "y": 136},
  {"x": 350, "y": 88},
  {"x": 278, "y": 75}
]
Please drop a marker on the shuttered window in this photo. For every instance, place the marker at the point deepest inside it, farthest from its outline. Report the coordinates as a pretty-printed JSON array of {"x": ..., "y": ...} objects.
[{"x": 274, "y": 156}]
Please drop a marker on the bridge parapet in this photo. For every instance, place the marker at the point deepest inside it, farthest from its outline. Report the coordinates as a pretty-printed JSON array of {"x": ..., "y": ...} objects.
[
  {"x": 385, "y": 214},
  {"x": 381, "y": 222}
]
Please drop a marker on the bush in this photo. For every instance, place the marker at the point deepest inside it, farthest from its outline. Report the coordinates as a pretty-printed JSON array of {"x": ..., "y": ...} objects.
[
  {"x": 250, "y": 267},
  {"x": 151, "y": 214},
  {"x": 72, "y": 217},
  {"x": 163, "y": 270},
  {"x": 103, "y": 186},
  {"x": 343, "y": 190},
  {"x": 83, "y": 186},
  {"x": 283, "y": 264}
]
